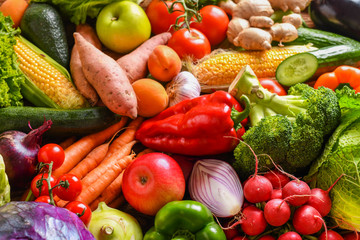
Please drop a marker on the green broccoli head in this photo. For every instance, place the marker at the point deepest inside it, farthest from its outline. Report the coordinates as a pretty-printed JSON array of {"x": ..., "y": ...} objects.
[{"x": 290, "y": 129}]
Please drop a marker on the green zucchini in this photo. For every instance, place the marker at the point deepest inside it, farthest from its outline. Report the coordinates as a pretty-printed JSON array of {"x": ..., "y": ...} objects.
[
  {"x": 333, "y": 50},
  {"x": 73, "y": 122}
]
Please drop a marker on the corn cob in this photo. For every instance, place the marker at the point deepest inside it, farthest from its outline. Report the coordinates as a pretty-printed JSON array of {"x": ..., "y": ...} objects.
[
  {"x": 220, "y": 68},
  {"x": 47, "y": 84}
]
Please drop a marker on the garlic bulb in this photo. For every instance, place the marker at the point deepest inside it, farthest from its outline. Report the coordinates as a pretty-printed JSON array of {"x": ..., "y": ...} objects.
[{"x": 183, "y": 86}]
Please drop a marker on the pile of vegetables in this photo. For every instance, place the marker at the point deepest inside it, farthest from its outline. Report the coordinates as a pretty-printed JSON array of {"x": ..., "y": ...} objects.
[{"x": 107, "y": 136}]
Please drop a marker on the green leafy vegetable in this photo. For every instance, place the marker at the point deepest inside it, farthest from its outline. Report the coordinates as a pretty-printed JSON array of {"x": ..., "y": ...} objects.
[
  {"x": 11, "y": 77},
  {"x": 342, "y": 156},
  {"x": 4, "y": 184},
  {"x": 78, "y": 10}
]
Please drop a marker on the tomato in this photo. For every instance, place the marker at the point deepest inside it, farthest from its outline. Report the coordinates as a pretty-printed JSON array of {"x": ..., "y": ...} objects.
[
  {"x": 273, "y": 86},
  {"x": 45, "y": 199},
  {"x": 160, "y": 19},
  {"x": 190, "y": 43},
  {"x": 213, "y": 25},
  {"x": 68, "y": 187},
  {"x": 44, "y": 188},
  {"x": 78, "y": 208},
  {"x": 51, "y": 153}
]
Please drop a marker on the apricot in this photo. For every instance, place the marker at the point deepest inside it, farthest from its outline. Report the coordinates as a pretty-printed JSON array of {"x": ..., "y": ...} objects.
[{"x": 15, "y": 9}]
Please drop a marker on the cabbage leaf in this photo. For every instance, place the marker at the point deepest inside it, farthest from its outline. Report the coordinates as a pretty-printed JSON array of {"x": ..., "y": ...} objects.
[{"x": 4, "y": 184}]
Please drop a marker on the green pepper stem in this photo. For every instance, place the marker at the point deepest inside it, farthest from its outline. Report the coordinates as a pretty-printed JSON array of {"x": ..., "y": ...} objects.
[{"x": 237, "y": 116}]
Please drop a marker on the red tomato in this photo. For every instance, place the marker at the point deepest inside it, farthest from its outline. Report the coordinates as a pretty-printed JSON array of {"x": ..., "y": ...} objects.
[
  {"x": 273, "y": 86},
  {"x": 190, "y": 43},
  {"x": 45, "y": 199},
  {"x": 69, "y": 187},
  {"x": 51, "y": 153},
  {"x": 160, "y": 19},
  {"x": 213, "y": 25},
  {"x": 81, "y": 209},
  {"x": 35, "y": 185}
]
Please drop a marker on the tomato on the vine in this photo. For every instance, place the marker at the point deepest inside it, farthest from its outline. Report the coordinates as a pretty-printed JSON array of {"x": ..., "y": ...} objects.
[
  {"x": 191, "y": 43},
  {"x": 213, "y": 25},
  {"x": 273, "y": 86},
  {"x": 35, "y": 185},
  {"x": 160, "y": 18},
  {"x": 68, "y": 187},
  {"x": 81, "y": 209},
  {"x": 45, "y": 199},
  {"x": 51, "y": 152}
]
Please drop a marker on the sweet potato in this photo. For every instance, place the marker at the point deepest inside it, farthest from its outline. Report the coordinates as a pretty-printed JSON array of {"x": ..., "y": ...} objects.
[
  {"x": 108, "y": 78},
  {"x": 77, "y": 74},
  {"x": 135, "y": 62}
]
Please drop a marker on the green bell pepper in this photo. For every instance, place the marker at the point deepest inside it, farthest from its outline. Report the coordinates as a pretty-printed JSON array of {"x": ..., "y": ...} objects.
[{"x": 185, "y": 220}]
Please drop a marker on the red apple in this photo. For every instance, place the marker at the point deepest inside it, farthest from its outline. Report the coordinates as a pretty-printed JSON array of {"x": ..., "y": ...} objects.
[{"x": 151, "y": 181}]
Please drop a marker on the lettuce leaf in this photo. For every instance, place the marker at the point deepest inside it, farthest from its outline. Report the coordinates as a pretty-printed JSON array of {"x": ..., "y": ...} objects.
[
  {"x": 4, "y": 184},
  {"x": 11, "y": 77}
]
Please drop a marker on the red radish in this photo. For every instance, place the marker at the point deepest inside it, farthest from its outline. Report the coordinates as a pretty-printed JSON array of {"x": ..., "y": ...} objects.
[
  {"x": 19, "y": 151},
  {"x": 267, "y": 237},
  {"x": 330, "y": 235},
  {"x": 240, "y": 238},
  {"x": 307, "y": 220},
  {"x": 320, "y": 199},
  {"x": 290, "y": 236},
  {"x": 254, "y": 222},
  {"x": 296, "y": 192},
  {"x": 277, "y": 178},
  {"x": 277, "y": 212},
  {"x": 230, "y": 233},
  {"x": 352, "y": 236},
  {"x": 257, "y": 188},
  {"x": 276, "y": 193}
]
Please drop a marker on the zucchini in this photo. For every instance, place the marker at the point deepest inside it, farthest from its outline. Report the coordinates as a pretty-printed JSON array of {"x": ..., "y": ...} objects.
[
  {"x": 333, "y": 50},
  {"x": 75, "y": 122}
]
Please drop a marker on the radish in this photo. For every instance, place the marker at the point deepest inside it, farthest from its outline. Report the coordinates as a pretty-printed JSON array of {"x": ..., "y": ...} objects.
[
  {"x": 254, "y": 222},
  {"x": 257, "y": 188},
  {"x": 276, "y": 193},
  {"x": 277, "y": 178},
  {"x": 330, "y": 235},
  {"x": 240, "y": 238},
  {"x": 352, "y": 236},
  {"x": 297, "y": 192},
  {"x": 320, "y": 199},
  {"x": 307, "y": 220},
  {"x": 277, "y": 212},
  {"x": 290, "y": 236},
  {"x": 267, "y": 237}
]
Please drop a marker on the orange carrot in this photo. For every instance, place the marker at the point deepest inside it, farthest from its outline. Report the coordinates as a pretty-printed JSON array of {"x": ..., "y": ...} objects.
[
  {"x": 143, "y": 152},
  {"x": 78, "y": 150},
  {"x": 108, "y": 173},
  {"x": 125, "y": 137},
  {"x": 67, "y": 142},
  {"x": 117, "y": 202}
]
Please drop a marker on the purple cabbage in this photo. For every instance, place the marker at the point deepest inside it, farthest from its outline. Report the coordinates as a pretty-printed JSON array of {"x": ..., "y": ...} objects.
[{"x": 37, "y": 220}]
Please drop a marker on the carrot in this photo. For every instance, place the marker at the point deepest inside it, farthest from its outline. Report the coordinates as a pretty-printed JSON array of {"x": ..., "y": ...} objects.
[
  {"x": 108, "y": 173},
  {"x": 67, "y": 142},
  {"x": 80, "y": 81},
  {"x": 117, "y": 202},
  {"x": 78, "y": 150},
  {"x": 135, "y": 63},
  {"x": 108, "y": 78},
  {"x": 125, "y": 137}
]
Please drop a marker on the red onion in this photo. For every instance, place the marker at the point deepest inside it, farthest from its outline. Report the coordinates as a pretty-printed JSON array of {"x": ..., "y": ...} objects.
[
  {"x": 19, "y": 151},
  {"x": 215, "y": 184}
]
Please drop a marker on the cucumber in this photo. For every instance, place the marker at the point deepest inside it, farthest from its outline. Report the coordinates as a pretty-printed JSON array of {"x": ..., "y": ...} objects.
[
  {"x": 42, "y": 25},
  {"x": 333, "y": 50},
  {"x": 75, "y": 122}
]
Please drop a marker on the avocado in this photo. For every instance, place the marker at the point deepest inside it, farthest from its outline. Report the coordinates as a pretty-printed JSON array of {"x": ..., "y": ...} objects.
[{"x": 42, "y": 25}]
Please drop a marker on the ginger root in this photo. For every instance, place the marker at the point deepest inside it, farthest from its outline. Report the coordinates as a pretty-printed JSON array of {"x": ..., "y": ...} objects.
[
  {"x": 247, "y": 8},
  {"x": 283, "y": 32},
  {"x": 294, "y": 5},
  {"x": 261, "y": 21},
  {"x": 293, "y": 18},
  {"x": 236, "y": 25},
  {"x": 253, "y": 39}
]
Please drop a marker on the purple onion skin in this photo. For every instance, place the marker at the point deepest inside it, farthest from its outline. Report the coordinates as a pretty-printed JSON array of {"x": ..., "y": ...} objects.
[
  {"x": 19, "y": 151},
  {"x": 38, "y": 220}
]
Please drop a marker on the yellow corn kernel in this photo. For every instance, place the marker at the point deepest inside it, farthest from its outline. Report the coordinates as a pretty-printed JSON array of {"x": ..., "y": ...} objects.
[
  {"x": 221, "y": 67},
  {"x": 48, "y": 78}
]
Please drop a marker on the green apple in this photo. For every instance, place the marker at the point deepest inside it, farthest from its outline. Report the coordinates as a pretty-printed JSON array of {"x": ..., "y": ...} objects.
[{"x": 122, "y": 26}]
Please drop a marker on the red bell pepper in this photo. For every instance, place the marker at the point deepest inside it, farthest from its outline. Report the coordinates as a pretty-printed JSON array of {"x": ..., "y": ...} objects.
[{"x": 206, "y": 125}]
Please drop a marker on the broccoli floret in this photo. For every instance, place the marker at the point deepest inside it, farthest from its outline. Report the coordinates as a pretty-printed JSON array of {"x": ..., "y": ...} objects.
[{"x": 290, "y": 129}]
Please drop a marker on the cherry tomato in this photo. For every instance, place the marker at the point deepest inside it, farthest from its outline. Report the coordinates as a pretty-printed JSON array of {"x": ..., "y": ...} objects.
[
  {"x": 273, "y": 86},
  {"x": 213, "y": 25},
  {"x": 160, "y": 19},
  {"x": 78, "y": 207},
  {"x": 44, "y": 188},
  {"x": 51, "y": 153},
  {"x": 190, "y": 43},
  {"x": 45, "y": 199},
  {"x": 69, "y": 187}
]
